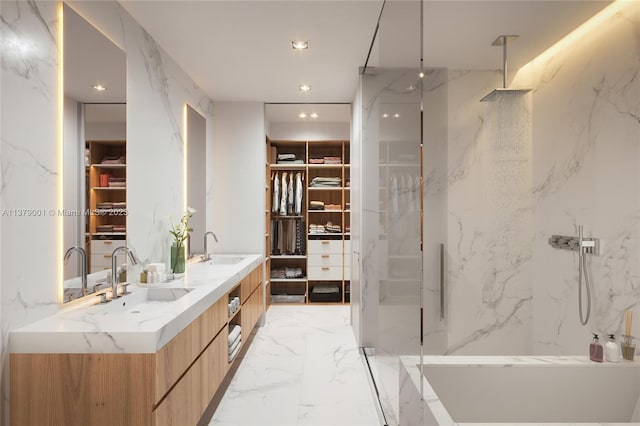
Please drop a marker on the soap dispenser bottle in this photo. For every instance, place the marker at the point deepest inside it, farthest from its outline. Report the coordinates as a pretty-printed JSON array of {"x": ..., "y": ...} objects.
[
  {"x": 612, "y": 350},
  {"x": 595, "y": 349}
]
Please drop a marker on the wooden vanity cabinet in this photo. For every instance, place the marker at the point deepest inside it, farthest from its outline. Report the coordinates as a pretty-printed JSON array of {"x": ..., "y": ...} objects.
[{"x": 174, "y": 386}]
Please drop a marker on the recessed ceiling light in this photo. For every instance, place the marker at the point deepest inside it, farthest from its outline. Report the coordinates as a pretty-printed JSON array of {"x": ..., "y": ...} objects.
[
  {"x": 300, "y": 44},
  {"x": 411, "y": 88},
  {"x": 385, "y": 115},
  {"x": 99, "y": 87},
  {"x": 305, "y": 88},
  {"x": 396, "y": 115},
  {"x": 313, "y": 115},
  {"x": 302, "y": 115},
  {"x": 421, "y": 75}
]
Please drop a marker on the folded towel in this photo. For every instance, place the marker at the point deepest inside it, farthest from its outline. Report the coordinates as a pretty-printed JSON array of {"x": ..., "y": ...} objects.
[
  {"x": 234, "y": 343},
  {"x": 234, "y": 333},
  {"x": 316, "y": 160},
  {"x": 234, "y": 353},
  {"x": 286, "y": 156}
]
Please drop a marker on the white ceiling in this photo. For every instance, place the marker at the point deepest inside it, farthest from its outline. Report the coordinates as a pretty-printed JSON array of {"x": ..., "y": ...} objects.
[
  {"x": 105, "y": 113},
  {"x": 240, "y": 50},
  {"x": 289, "y": 113},
  {"x": 90, "y": 58}
]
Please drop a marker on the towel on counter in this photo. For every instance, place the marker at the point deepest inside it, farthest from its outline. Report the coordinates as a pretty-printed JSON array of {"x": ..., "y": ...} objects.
[{"x": 234, "y": 334}]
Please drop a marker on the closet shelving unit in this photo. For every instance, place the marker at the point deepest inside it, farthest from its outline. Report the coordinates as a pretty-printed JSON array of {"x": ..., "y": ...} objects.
[
  {"x": 103, "y": 242},
  {"x": 323, "y": 260}
]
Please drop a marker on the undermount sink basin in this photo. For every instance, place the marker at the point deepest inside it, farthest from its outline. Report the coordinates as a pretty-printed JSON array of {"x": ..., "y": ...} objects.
[
  {"x": 223, "y": 260},
  {"x": 166, "y": 294}
]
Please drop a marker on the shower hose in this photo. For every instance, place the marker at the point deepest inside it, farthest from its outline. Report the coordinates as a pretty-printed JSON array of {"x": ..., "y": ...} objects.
[{"x": 582, "y": 265}]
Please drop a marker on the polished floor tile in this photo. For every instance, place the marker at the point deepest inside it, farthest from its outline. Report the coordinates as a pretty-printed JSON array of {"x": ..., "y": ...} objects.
[{"x": 302, "y": 368}]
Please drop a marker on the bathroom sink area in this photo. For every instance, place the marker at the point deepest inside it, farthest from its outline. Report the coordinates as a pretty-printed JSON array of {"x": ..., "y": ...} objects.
[
  {"x": 166, "y": 294},
  {"x": 222, "y": 260}
]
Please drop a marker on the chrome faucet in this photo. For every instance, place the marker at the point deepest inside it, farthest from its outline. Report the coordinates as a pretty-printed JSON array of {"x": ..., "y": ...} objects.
[
  {"x": 114, "y": 268},
  {"x": 83, "y": 265},
  {"x": 207, "y": 256}
]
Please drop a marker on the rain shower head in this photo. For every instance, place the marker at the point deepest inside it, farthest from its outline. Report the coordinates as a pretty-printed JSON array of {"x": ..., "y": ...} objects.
[{"x": 503, "y": 40}]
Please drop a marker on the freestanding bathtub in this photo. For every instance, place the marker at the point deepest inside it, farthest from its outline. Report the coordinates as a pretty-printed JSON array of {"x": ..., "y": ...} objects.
[{"x": 481, "y": 390}]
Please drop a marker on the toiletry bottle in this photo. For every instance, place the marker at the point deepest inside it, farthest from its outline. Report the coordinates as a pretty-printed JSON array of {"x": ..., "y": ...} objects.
[
  {"x": 595, "y": 349},
  {"x": 612, "y": 350}
]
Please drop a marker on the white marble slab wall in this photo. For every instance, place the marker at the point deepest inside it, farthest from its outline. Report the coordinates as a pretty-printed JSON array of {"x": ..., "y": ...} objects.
[
  {"x": 489, "y": 218},
  {"x": 355, "y": 148},
  {"x": 586, "y": 171},
  {"x": 156, "y": 91},
  {"x": 30, "y": 174}
]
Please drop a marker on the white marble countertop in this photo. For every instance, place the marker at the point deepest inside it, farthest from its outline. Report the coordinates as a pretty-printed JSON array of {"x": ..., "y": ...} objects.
[{"x": 134, "y": 323}]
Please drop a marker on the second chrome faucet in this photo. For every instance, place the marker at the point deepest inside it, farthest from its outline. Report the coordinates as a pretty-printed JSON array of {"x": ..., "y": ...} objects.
[{"x": 207, "y": 255}]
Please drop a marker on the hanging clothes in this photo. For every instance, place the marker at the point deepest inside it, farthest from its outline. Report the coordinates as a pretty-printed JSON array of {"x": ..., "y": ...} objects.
[
  {"x": 298, "y": 209},
  {"x": 283, "y": 198},
  {"x": 290, "y": 195},
  {"x": 275, "y": 184}
]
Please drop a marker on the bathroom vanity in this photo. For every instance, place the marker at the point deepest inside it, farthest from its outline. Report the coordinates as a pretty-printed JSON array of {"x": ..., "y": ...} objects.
[{"x": 154, "y": 357}]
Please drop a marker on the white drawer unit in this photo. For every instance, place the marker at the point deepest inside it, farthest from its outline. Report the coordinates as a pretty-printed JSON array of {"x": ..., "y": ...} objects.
[
  {"x": 325, "y": 247},
  {"x": 347, "y": 259},
  {"x": 101, "y": 260},
  {"x": 347, "y": 247},
  {"x": 347, "y": 273},
  {"x": 324, "y": 273},
  {"x": 106, "y": 246},
  {"x": 325, "y": 260}
]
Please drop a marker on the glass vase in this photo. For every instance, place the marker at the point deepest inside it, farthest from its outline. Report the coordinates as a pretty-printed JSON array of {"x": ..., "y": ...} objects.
[{"x": 177, "y": 258}]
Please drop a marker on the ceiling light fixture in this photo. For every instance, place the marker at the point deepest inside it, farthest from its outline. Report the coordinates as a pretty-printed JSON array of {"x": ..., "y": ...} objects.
[
  {"x": 421, "y": 75},
  {"x": 385, "y": 115},
  {"x": 305, "y": 88},
  {"x": 314, "y": 115},
  {"x": 411, "y": 88},
  {"x": 300, "y": 44},
  {"x": 99, "y": 87},
  {"x": 396, "y": 115},
  {"x": 302, "y": 115}
]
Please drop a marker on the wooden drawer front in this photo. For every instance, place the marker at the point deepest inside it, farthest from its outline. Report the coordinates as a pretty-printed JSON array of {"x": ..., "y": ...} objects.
[
  {"x": 323, "y": 247},
  {"x": 106, "y": 246},
  {"x": 325, "y": 260},
  {"x": 251, "y": 312},
  {"x": 81, "y": 389},
  {"x": 174, "y": 358},
  {"x": 101, "y": 260},
  {"x": 186, "y": 402},
  {"x": 326, "y": 273},
  {"x": 250, "y": 283},
  {"x": 257, "y": 278}
]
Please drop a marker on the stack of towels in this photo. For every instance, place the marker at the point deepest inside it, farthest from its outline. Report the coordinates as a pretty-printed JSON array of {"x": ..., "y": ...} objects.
[
  {"x": 325, "y": 182},
  {"x": 115, "y": 182},
  {"x": 234, "y": 305},
  {"x": 316, "y": 205},
  {"x": 234, "y": 341},
  {"x": 288, "y": 159}
]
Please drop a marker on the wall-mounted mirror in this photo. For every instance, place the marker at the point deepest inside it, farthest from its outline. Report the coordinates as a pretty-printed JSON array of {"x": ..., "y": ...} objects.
[
  {"x": 94, "y": 153},
  {"x": 196, "y": 177}
]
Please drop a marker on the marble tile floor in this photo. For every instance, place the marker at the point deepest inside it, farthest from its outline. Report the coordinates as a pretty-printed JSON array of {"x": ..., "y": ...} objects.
[{"x": 302, "y": 368}]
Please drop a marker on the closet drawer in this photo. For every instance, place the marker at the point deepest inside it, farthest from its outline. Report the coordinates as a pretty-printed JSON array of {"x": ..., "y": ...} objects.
[
  {"x": 326, "y": 273},
  {"x": 325, "y": 246},
  {"x": 347, "y": 259},
  {"x": 347, "y": 273},
  {"x": 100, "y": 260},
  {"x": 325, "y": 260},
  {"x": 347, "y": 246},
  {"x": 106, "y": 246}
]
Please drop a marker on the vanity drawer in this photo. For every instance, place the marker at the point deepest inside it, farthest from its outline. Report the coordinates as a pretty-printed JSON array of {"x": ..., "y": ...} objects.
[
  {"x": 325, "y": 246},
  {"x": 106, "y": 246},
  {"x": 325, "y": 273},
  {"x": 325, "y": 260}
]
